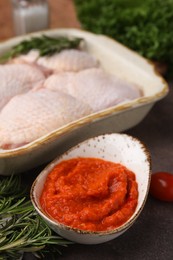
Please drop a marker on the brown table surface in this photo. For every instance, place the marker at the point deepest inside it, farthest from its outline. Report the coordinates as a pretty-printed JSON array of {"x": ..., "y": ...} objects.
[{"x": 151, "y": 237}]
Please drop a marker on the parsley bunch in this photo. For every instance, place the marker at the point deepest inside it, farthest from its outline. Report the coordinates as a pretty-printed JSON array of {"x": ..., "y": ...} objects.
[{"x": 144, "y": 26}]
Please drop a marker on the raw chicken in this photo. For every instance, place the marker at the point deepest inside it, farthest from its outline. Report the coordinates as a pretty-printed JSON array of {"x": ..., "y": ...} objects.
[
  {"x": 30, "y": 57},
  {"x": 33, "y": 106},
  {"x": 93, "y": 86},
  {"x": 17, "y": 79},
  {"x": 68, "y": 60},
  {"x": 29, "y": 116}
]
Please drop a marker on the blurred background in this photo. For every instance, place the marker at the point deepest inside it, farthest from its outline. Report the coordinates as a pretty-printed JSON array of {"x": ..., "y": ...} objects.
[
  {"x": 144, "y": 26},
  {"x": 62, "y": 14}
]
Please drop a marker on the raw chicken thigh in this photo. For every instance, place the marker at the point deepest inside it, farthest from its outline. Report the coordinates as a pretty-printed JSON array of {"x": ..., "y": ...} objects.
[
  {"x": 29, "y": 116},
  {"x": 30, "y": 57},
  {"x": 93, "y": 86},
  {"x": 17, "y": 79},
  {"x": 68, "y": 60}
]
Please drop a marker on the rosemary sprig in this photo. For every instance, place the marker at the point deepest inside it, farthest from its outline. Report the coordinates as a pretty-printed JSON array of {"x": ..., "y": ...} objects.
[
  {"x": 11, "y": 186},
  {"x": 9, "y": 206},
  {"x": 45, "y": 44},
  {"x": 21, "y": 228}
]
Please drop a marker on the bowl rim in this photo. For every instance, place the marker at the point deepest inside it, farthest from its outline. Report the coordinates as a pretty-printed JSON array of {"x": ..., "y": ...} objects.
[{"x": 118, "y": 229}]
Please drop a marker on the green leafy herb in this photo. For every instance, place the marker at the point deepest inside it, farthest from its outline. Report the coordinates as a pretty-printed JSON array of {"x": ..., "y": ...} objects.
[
  {"x": 144, "y": 26},
  {"x": 21, "y": 228},
  {"x": 45, "y": 44}
]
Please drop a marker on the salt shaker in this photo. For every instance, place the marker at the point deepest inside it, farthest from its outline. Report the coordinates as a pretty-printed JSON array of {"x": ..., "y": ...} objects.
[{"x": 30, "y": 15}]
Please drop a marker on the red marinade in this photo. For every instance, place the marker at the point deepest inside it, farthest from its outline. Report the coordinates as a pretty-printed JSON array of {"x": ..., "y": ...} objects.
[{"x": 90, "y": 194}]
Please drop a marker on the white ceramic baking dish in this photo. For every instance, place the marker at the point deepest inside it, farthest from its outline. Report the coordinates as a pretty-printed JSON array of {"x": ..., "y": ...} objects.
[{"x": 114, "y": 58}]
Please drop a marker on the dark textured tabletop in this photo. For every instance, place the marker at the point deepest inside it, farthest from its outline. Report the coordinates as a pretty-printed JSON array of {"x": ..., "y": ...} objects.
[{"x": 151, "y": 237}]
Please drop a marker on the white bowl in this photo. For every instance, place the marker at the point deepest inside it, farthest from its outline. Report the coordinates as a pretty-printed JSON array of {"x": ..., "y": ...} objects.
[
  {"x": 114, "y": 58},
  {"x": 118, "y": 148}
]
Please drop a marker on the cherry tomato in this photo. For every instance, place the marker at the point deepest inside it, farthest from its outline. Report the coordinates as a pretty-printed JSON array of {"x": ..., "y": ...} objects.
[{"x": 162, "y": 186}]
